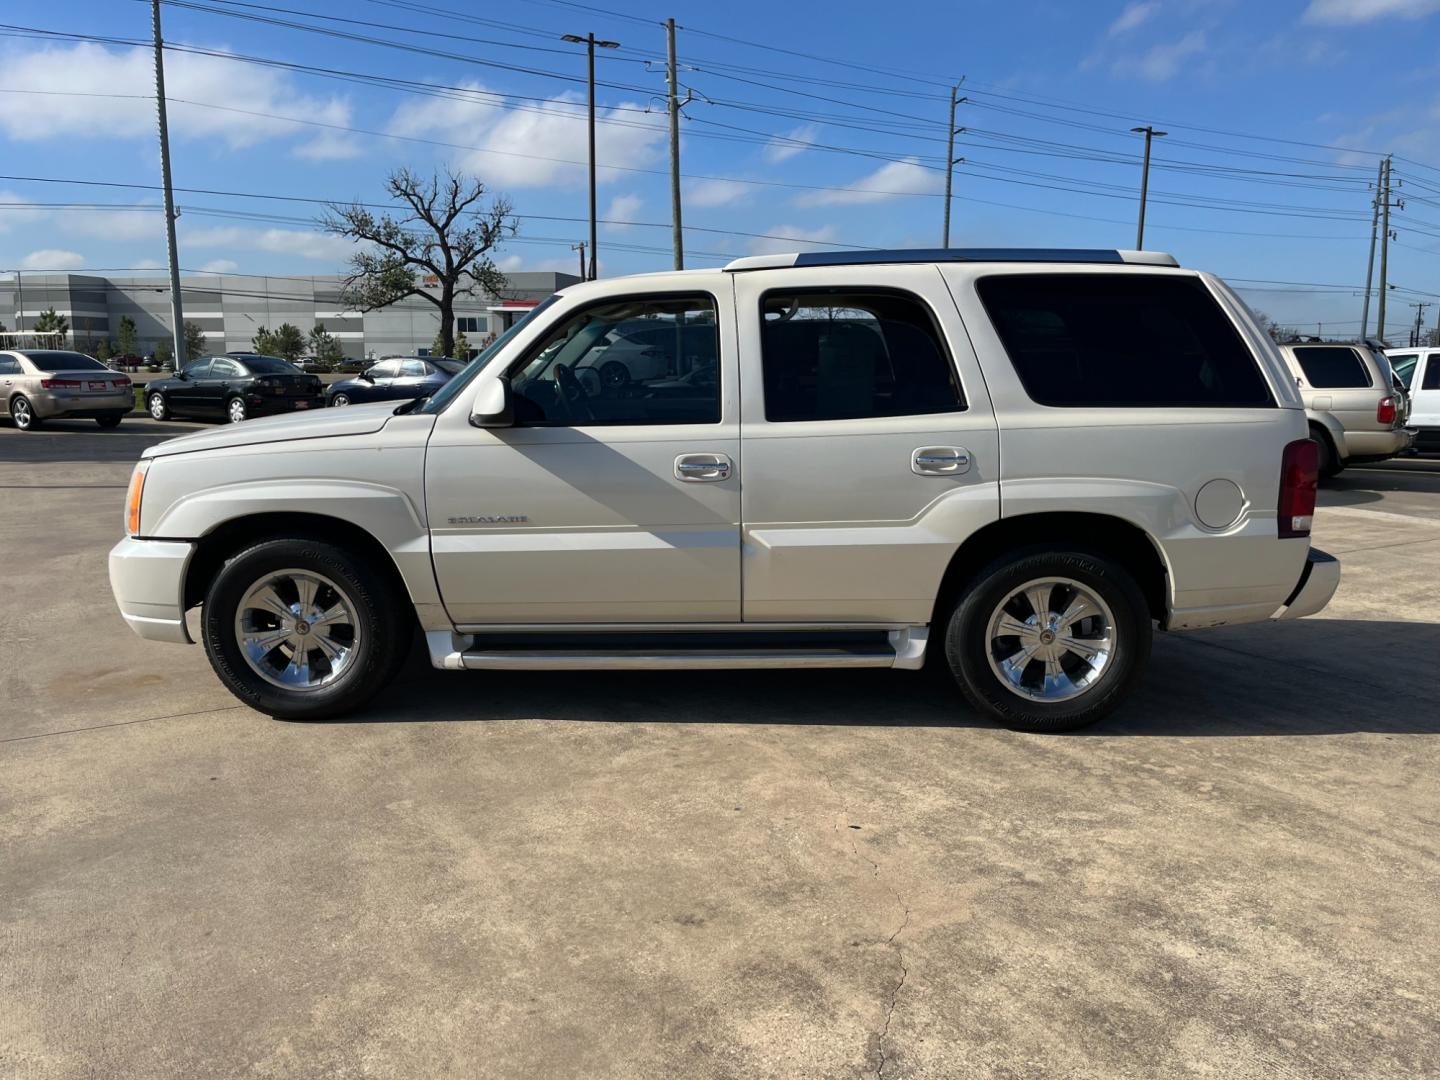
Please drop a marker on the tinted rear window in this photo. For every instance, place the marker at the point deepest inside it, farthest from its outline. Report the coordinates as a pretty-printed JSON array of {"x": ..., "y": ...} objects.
[
  {"x": 269, "y": 365},
  {"x": 55, "y": 360},
  {"x": 1332, "y": 367},
  {"x": 1121, "y": 340}
]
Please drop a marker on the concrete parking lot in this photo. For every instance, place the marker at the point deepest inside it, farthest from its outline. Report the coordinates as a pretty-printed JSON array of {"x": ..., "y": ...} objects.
[{"x": 764, "y": 875}]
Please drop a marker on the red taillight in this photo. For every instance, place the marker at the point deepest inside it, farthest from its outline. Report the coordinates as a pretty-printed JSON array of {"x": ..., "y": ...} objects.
[
  {"x": 1299, "y": 476},
  {"x": 123, "y": 380},
  {"x": 60, "y": 384},
  {"x": 1385, "y": 411}
]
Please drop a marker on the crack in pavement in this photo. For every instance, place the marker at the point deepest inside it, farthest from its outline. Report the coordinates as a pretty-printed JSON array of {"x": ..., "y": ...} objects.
[
  {"x": 894, "y": 996},
  {"x": 119, "y": 723}
]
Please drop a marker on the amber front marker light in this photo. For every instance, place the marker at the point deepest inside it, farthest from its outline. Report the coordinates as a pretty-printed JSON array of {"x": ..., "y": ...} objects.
[{"x": 132, "y": 500}]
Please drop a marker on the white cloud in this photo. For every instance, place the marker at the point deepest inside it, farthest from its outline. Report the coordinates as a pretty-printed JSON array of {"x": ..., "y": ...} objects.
[
  {"x": 1162, "y": 62},
  {"x": 890, "y": 181},
  {"x": 117, "y": 225},
  {"x": 220, "y": 266},
  {"x": 533, "y": 144},
  {"x": 623, "y": 208},
  {"x": 1134, "y": 16},
  {"x": 52, "y": 259},
  {"x": 13, "y": 214},
  {"x": 91, "y": 69},
  {"x": 298, "y": 242},
  {"x": 784, "y": 238},
  {"x": 512, "y": 264},
  {"x": 1343, "y": 12},
  {"x": 147, "y": 264},
  {"x": 783, "y": 147},
  {"x": 715, "y": 192}
]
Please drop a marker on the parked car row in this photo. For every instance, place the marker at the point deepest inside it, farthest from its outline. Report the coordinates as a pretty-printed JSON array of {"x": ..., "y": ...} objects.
[{"x": 1355, "y": 405}]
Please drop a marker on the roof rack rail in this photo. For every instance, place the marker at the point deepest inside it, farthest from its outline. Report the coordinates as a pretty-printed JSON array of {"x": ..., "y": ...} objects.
[{"x": 927, "y": 255}]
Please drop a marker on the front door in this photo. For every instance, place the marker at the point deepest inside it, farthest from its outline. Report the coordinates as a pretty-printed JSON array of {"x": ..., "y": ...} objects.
[
  {"x": 186, "y": 396},
  {"x": 607, "y": 502},
  {"x": 870, "y": 445}
]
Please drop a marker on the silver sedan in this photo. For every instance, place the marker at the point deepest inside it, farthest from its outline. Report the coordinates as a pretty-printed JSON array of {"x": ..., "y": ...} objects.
[{"x": 46, "y": 384}]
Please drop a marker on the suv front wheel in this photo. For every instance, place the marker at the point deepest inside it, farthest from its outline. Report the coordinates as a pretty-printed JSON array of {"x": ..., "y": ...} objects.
[
  {"x": 1049, "y": 640},
  {"x": 304, "y": 630}
]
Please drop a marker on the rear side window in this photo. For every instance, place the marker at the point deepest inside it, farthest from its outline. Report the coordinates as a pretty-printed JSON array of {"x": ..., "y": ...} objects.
[
  {"x": 1331, "y": 367},
  {"x": 1431, "y": 379},
  {"x": 1122, "y": 340},
  {"x": 845, "y": 355}
]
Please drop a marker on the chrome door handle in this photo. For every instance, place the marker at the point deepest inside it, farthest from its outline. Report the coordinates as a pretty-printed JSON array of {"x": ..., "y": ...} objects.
[
  {"x": 698, "y": 468},
  {"x": 940, "y": 461}
]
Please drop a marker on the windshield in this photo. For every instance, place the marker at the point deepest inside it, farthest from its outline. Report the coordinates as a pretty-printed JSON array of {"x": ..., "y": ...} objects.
[
  {"x": 268, "y": 365},
  {"x": 55, "y": 360},
  {"x": 451, "y": 389}
]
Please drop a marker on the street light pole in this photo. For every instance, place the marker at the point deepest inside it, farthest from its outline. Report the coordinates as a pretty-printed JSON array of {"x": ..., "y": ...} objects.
[
  {"x": 590, "y": 44},
  {"x": 1149, "y": 133}
]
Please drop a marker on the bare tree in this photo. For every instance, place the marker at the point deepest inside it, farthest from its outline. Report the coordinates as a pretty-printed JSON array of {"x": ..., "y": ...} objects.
[{"x": 442, "y": 235}]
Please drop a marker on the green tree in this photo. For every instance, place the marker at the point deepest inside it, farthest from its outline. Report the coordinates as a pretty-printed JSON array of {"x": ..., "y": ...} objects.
[
  {"x": 125, "y": 336},
  {"x": 51, "y": 322},
  {"x": 287, "y": 342},
  {"x": 164, "y": 353},
  {"x": 195, "y": 344},
  {"x": 423, "y": 251},
  {"x": 324, "y": 345},
  {"x": 263, "y": 342},
  {"x": 461, "y": 346},
  {"x": 102, "y": 350}
]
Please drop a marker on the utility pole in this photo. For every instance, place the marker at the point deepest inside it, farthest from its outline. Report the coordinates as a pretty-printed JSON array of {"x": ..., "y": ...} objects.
[
  {"x": 1385, "y": 238},
  {"x": 177, "y": 317},
  {"x": 19, "y": 303},
  {"x": 672, "y": 75},
  {"x": 950, "y": 159},
  {"x": 1150, "y": 133},
  {"x": 1370, "y": 261},
  {"x": 590, "y": 43},
  {"x": 580, "y": 247},
  {"x": 1416, "y": 338}
]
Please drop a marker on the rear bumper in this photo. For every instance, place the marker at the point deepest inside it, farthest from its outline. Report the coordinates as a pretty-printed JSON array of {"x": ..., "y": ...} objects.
[
  {"x": 1376, "y": 445},
  {"x": 279, "y": 406},
  {"x": 1317, "y": 584},
  {"x": 148, "y": 580},
  {"x": 51, "y": 406}
]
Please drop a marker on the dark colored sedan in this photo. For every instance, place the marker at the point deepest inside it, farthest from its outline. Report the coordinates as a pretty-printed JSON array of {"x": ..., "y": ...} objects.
[
  {"x": 399, "y": 378},
  {"x": 233, "y": 388}
]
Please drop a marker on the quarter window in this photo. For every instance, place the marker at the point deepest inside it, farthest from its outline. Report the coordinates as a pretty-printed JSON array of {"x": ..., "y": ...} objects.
[
  {"x": 1121, "y": 340},
  {"x": 639, "y": 360},
  {"x": 845, "y": 355},
  {"x": 1331, "y": 367}
]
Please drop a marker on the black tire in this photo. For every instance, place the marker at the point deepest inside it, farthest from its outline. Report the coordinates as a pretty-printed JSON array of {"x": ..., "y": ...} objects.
[
  {"x": 339, "y": 401},
  {"x": 22, "y": 413},
  {"x": 614, "y": 374},
  {"x": 231, "y": 411},
  {"x": 110, "y": 421},
  {"x": 157, "y": 406},
  {"x": 383, "y": 615},
  {"x": 967, "y": 641},
  {"x": 1330, "y": 463}
]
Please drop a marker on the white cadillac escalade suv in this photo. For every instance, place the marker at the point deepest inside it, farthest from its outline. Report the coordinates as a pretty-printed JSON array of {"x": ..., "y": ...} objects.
[{"x": 1015, "y": 463}]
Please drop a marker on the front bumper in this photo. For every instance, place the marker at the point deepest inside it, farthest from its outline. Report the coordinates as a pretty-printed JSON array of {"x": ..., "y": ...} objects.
[
  {"x": 1317, "y": 584},
  {"x": 148, "y": 580}
]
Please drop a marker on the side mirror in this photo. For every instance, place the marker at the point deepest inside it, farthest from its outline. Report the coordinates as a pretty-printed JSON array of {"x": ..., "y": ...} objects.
[
  {"x": 493, "y": 406},
  {"x": 368, "y": 375},
  {"x": 182, "y": 376}
]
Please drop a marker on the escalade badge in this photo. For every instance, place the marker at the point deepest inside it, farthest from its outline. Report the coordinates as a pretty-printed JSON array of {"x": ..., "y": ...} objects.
[{"x": 490, "y": 519}]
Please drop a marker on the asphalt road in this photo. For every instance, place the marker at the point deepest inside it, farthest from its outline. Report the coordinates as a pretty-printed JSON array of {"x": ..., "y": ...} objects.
[{"x": 739, "y": 875}]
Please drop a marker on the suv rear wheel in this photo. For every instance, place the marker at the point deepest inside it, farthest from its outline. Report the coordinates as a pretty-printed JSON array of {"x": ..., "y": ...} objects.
[
  {"x": 304, "y": 630},
  {"x": 1049, "y": 640}
]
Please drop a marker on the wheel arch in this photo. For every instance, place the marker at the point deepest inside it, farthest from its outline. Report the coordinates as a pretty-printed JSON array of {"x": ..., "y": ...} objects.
[{"x": 1103, "y": 534}]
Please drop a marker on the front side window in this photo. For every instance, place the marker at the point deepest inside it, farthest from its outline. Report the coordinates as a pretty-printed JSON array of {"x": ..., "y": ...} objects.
[
  {"x": 386, "y": 369},
  {"x": 198, "y": 370},
  {"x": 638, "y": 360},
  {"x": 848, "y": 354},
  {"x": 1330, "y": 367},
  {"x": 1121, "y": 340},
  {"x": 1404, "y": 367}
]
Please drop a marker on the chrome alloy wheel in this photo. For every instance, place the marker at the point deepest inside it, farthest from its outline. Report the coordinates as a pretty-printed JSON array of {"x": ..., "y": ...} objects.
[
  {"x": 22, "y": 413},
  {"x": 235, "y": 410},
  {"x": 157, "y": 407},
  {"x": 297, "y": 630},
  {"x": 1050, "y": 640}
]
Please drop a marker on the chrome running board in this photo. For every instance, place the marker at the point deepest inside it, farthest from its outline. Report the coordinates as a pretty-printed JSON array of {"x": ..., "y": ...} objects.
[{"x": 461, "y": 652}]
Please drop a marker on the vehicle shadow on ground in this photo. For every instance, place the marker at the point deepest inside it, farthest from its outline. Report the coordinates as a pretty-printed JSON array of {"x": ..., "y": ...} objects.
[
  {"x": 82, "y": 440},
  {"x": 1281, "y": 679}
]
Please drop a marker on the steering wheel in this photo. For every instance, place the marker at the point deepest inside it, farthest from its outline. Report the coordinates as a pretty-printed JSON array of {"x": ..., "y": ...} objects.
[{"x": 569, "y": 390}]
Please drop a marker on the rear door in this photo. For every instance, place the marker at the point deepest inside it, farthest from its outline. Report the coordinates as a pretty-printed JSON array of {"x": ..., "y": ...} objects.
[
  {"x": 868, "y": 441},
  {"x": 410, "y": 383},
  {"x": 10, "y": 376},
  {"x": 1425, "y": 392},
  {"x": 225, "y": 378},
  {"x": 1336, "y": 379}
]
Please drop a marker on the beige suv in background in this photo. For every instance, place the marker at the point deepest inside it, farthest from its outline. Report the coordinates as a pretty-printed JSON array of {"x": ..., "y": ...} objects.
[
  {"x": 1355, "y": 411},
  {"x": 1014, "y": 464}
]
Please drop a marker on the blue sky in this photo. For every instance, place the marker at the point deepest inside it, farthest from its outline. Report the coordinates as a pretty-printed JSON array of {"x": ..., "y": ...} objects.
[{"x": 1275, "y": 112}]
